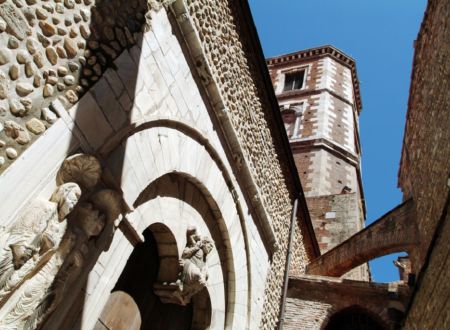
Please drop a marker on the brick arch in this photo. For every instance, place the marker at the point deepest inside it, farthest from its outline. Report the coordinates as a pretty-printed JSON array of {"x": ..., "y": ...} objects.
[
  {"x": 396, "y": 231},
  {"x": 357, "y": 313}
]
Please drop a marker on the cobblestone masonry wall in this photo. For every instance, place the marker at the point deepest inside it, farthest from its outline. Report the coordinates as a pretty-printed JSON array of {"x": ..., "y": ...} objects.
[
  {"x": 55, "y": 49},
  {"x": 220, "y": 28},
  {"x": 425, "y": 164}
]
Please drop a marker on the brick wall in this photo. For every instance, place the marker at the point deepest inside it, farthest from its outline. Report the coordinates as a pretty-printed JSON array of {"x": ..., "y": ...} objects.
[
  {"x": 430, "y": 308},
  {"x": 335, "y": 218},
  {"x": 425, "y": 160},
  {"x": 325, "y": 143},
  {"x": 310, "y": 314},
  {"x": 313, "y": 300},
  {"x": 323, "y": 173},
  {"x": 425, "y": 166}
]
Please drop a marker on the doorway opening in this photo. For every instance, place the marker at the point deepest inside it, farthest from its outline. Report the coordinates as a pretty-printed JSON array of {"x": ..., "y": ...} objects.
[
  {"x": 133, "y": 305},
  {"x": 353, "y": 318}
]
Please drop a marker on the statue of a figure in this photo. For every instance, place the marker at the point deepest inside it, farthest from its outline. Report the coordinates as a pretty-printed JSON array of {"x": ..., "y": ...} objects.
[
  {"x": 44, "y": 252},
  {"x": 40, "y": 295},
  {"x": 194, "y": 272},
  {"x": 28, "y": 243}
]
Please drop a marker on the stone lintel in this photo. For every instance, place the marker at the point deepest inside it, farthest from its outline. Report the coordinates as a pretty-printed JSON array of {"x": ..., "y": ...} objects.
[{"x": 332, "y": 290}]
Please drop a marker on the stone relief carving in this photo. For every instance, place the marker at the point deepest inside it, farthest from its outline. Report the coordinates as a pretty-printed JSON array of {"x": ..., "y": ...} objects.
[
  {"x": 36, "y": 259},
  {"x": 194, "y": 271},
  {"x": 45, "y": 250},
  {"x": 80, "y": 168},
  {"x": 30, "y": 240}
]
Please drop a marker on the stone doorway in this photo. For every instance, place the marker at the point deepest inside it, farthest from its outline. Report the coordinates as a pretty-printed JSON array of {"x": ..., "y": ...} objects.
[{"x": 133, "y": 305}]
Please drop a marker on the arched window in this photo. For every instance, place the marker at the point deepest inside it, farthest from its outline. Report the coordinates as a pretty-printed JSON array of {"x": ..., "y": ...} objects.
[{"x": 354, "y": 318}]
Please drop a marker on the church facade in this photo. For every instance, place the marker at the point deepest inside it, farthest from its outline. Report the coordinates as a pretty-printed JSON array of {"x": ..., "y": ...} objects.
[{"x": 147, "y": 180}]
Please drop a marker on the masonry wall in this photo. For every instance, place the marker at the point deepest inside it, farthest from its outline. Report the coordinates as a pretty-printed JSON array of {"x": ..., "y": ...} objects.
[
  {"x": 426, "y": 146},
  {"x": 323, "y": 173},
  {"x": 146, "y": 114},
  {"x": 55, "y": 50},
  {"x": 152, "y": 85},
  {"x": 321, "y": 121},
  {"x": 311, "y": 315},
  {"x": 335, "y": 218},
  {"x": 248, "y": 110},
  {"x": 313, "y": 300},
  {"x": 425, "y": 166}
]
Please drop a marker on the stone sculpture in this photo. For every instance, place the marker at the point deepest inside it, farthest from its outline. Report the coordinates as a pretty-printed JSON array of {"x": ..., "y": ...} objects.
[
  {"x": 193, "y": 261},
  {"x": 42, "y": 294},
  {"x": 194, "y": 271},
  {"x": 82, "y": 169},
  {"x": 28, "y": 243},
  {"x": 44, "y": 252}
]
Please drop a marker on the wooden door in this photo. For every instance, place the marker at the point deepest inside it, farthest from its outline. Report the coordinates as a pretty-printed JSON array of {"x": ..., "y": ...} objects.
[
  {"x": 120, "y": 312},
  {"x": 132, "y": 303}
]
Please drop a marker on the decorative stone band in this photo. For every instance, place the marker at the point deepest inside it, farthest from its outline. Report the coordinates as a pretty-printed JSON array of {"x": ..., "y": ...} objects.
[{"x": 193, "y": 42}]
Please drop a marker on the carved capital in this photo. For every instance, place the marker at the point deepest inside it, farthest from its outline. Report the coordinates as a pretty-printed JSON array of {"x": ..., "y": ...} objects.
[{"x": 82, "y": 169}]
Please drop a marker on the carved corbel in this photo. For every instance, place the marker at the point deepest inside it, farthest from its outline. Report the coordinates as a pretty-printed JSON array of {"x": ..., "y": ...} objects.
[
  {"x": 203, "y": 70},
  {"x": 85, "y": 170},
  {"x": 193, "y": 276}
]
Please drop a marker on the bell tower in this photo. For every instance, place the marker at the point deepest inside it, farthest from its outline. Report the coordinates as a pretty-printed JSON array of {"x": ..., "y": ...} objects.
[{"x": 318, "y": 93}]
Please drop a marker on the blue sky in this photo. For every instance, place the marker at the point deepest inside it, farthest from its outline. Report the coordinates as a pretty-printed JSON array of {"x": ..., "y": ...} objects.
[{"x": 379, "y": 35}]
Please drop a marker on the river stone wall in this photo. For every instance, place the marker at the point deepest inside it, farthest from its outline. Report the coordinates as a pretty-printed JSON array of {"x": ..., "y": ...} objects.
[
  {"x": 223, "y": 30},
  {"x": 55, "y": 49}
]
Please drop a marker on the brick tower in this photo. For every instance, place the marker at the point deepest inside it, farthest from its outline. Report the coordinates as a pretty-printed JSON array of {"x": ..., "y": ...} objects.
[{"x": 318, "y": 94}]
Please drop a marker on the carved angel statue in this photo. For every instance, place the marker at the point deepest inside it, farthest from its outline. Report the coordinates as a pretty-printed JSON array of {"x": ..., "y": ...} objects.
[
  {"x": 29, "y": 241},
  {"x": 40, "y": 295},
  {"x": 44, "y": 250},
  {"x": 194, "y": 272}
]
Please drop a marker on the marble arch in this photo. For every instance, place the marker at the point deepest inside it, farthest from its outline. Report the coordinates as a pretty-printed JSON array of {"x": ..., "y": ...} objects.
[
  {"x": 162, "y": 204},
  {"x": 144, "y": 154}
]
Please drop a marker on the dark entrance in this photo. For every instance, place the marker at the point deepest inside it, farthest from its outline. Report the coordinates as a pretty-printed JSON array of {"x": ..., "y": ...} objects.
[
  {"x": 353, "y": 318},
  {"x": 132, "y": 303}
]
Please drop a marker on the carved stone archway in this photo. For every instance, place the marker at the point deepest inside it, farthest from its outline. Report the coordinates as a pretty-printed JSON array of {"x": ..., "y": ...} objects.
[
  {"x": 175, "y": 201},
  {"x": 167, "y": 147}
]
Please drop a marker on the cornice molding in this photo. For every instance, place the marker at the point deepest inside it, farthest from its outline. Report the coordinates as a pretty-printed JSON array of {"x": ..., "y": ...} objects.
[{"x": 322, "y": 51}]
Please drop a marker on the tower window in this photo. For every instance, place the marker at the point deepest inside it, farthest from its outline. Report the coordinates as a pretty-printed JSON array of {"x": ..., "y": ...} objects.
[{"x": 294, "y": 80}]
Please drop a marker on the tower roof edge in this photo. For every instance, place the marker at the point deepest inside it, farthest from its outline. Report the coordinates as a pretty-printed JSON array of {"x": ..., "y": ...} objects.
[{"x": 326, "y": 50}]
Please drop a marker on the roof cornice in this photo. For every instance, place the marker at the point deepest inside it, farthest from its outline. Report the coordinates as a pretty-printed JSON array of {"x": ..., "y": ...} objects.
[{"x": 327, "y": 50}]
